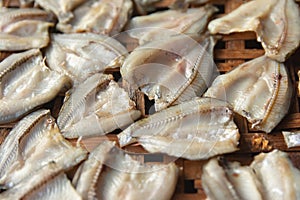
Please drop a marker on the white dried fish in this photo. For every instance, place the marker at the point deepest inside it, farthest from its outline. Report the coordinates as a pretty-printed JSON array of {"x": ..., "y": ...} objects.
[
  {"x": 86, "y": 176},
  {"x": 276, "y": 23},
  {"x": 26, "y": 83},
  {"x": 259, "y": 90},
  {"x": 292, "y": 139},
  {"x": 215, "y": 183},
  {"x": 62, "y": 8},
  {"x": 280, "y": 179},
  {"x": 144, "y": 6},
  {"x": 22, "y": 29},
  {"x": 34, "y": 142},
  {"x": 161, "y": 25},
  {"x": 47, "y": 183},
  {"x": 185, "y": 69},
  {"x": 96, "y": 107},
  {"x": 183, "y": 4},
  {"x": 79, "y": 56},
  {"x": 244, "y": 181},
  {"x": 123, "y": 177},
  {"x": 196, "y": 129},
  {"x": 98, "y": 16}
]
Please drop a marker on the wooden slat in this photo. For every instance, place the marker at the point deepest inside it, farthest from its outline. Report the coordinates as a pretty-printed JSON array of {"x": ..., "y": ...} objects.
[
  {"x": 192, "y": 169},
  {"x": 276, "y": 141},
  {"x": 239, "y": 36},
  {"x": 291, "y": 121},
  {"x": 238, "y": 54},
  {"x": 197, "y": 196}
]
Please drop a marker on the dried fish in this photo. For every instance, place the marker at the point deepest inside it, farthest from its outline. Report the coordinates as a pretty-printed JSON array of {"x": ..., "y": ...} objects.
[
  {"x": 98, "y": 16},
  {"x": 244, "y": 181},
  {"x": 259, "y": 90},
  {"x": 22, "y": 29},
  {"x": 83, "y": 54},
  {"x": 123, "y": 177},
  {"x": 34, "y": 142},
  {"x": 215, "y": 183},
  {"x": 280, "y": 179},
  {"x": 62, "y": 9},
  {"x": 185, "y": 67},
  {"x": 196, "y": 129},
  {"x": 49, "y": 182},
  {"x": 276, "y": 23},
  {"x": 144, "y": 6},
  {"x": 183, "y": 4},
  {"x": 86, "y": 176},
  {"x": 96, "y": 107},
  {"x": 292, "y": 139},
  {"x": 26, "y": 83},
  {"x": 161, "y": 25}
]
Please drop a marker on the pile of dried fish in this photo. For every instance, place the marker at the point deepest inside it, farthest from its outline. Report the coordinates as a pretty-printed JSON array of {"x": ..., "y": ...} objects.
[
  {"x": 270, "y": 176},
  {"x": 73, "y": 48}
]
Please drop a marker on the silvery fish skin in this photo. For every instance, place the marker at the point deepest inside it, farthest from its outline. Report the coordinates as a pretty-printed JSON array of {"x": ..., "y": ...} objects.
[
  {"x": 86, "y": 177},
  {"x": 292, "y": 139},
  {"x": 99, "y": 16},
  {"x": 123, "y": 177},
  {"x": 23, "y": 29},
  {"x": 185, "y": 69},
  {"x": 49, "y": 182},
  {"x": 215, "y": 182},
  {"x": 279, "y": 178},
  {"x": 196, "y": 129},
  {"x": 96, "y": 107},
  {"x": 259, "y": 90},
  {"x": 161, "y": 25},
  {"x": 62, "y": 9},
  {"x": 81, "y": 55},
  {"x": 26, "y": 83},
  {"x": 32, "y": 143},
  {"x": 276, "y": 23},
  {"x": 244, "y": 181},
  {"x": 144, "y": 6}
]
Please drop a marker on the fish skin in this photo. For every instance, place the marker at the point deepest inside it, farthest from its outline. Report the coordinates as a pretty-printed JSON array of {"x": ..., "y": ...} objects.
[
  {"x": 32, "y": 143},
  {"x": 26, "y": 83},
  {"x": 162, "y": 25},
  {"x": 279, "y": 178},
  {"x": 292, "y": 139},
  {"x": 260, "y": 90},
  {"x": 244, "y": 181},
  {"x": 98, "y": 16},
  {"x": 62, "y": 9},
  {"x": 186, "y": 69},
  {"x": 215, "y": 183},
  {"x": 178, "y": 130},
  {"x": 101, "y": 107},
  {"x": 49, "y": 182},
  {"x": 276, "y": 23},
  {"x": 110, "y": 173},
  {"x": 24, "y": 29},
  {"x": 86, "y": 176},
  {"x": 80, "y": 55}
]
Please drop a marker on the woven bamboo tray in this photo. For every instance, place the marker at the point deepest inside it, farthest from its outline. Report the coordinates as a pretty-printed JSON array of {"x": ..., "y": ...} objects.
[{"x": 230, "y": 51}]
